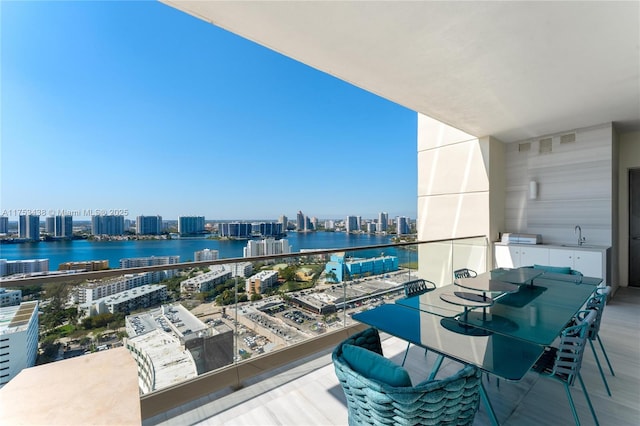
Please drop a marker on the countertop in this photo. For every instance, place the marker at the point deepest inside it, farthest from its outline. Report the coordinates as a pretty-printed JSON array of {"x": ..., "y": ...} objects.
[{"x": 567, "y": 246}]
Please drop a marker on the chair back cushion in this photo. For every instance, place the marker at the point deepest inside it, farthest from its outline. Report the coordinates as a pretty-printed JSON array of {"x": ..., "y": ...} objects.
[
  {"x": 375, "y": 367},
  {"x": 554, "y": 269},
  {"x": 450, "y": 401}
]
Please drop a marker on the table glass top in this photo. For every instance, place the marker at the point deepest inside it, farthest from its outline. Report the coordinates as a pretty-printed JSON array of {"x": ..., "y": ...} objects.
[
  {"x": 468, "y": 300},
  {"x": 432, "y": 303},
  {"x": 484, "y": 282},
  {"x": 535, "y": 313},
  {"x": 495, "y": 353},
  {"x": 515, "y": 276}
]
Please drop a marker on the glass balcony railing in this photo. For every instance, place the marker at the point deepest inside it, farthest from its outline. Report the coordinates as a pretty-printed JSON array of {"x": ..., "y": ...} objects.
[{"x": 205, "y": 326}]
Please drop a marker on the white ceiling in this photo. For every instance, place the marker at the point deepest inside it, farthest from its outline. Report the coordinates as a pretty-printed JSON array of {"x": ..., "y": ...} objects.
[{"x": 513, "y": 70}]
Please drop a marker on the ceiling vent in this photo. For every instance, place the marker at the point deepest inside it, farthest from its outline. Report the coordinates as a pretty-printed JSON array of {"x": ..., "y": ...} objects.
[
  {"x": 545, "y": 145},
  {"x": 568, "y": 138},
  {"x": 524, "y": 147}
]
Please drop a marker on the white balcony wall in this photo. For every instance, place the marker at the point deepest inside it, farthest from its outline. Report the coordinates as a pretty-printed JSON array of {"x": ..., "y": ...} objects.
[{"x": 454, "y": 197}]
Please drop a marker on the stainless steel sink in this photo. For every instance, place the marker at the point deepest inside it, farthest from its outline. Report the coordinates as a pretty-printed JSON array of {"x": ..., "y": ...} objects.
[{"x": 577, "y": 246}]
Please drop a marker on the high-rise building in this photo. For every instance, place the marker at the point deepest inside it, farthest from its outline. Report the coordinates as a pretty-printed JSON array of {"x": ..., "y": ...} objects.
[
  {"x": 402, "y": 224},
  {"x": 18, "y": 339},
  {"x": 59, "y": 226},
  {"x": 300, "y": 221},
  {"x": 235, "y": 230},
  {"x": 107, "y": 225},
  {"x": 64, "y": 226},
  {"x": 205, "y": 254},
  {"x": 284, "y": 221},
  {"x": 50, "y": 225},
  {"x": 4, "y": 225},
  {"x": 29, "y": 227},
  {"x": 266, "y": 247},
  {"x": 149, "y": 225},
  {"x": 351, "y": 224},
  {"x": 190, "y": 225},
  {"x": 383, "y": 221},
  {"x": 270, "y": 229}
]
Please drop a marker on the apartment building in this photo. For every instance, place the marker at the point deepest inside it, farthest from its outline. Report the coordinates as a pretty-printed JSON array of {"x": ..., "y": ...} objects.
[
  {"x": 10, "y": 297},
  {"x": 206, "y": 254},
  {"x": 383, "y": 221},
  {"x": 4, "y": 225},
  {"x": 107, "y": 225},
  {"x": 125, "y": 301},
  {"x": 88, "y": 265},
  {"x": 351, "y": 224},
  {"x": 29, "y": 227},
  {"x": 91, "y": 291},
  {"x": 30, "y": 266},
  {"x": 138, "y": 262},
  {"x": 191, "y": 225},
  {"x": 18, "y": 339},
  {"x": 59, "y": 226},
  {"x": 266, "y": 247},
  {"x": 260, "y": 282},
  {"x": 149, "y": 225},
  {"x": 207, "y": 281}
]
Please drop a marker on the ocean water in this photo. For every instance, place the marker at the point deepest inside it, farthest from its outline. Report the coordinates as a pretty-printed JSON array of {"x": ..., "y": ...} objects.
[{"x": 82, "y": 250}]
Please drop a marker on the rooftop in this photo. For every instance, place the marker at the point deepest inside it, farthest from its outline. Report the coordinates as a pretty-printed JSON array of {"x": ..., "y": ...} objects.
[{"x": 14, "y": 319}]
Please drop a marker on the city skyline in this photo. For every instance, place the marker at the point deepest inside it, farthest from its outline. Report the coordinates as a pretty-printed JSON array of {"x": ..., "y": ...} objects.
[
  {"x": 15, "y": 218},
  {"x": 105, "y": 109}
]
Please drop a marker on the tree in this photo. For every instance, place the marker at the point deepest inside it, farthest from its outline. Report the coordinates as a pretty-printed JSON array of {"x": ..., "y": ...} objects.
[
  {"x": 57, "y": 295},
  {"x": 288, "y": 273},
  {"x": 49, "y": 350},
  {"x": 72, "y": 314}
]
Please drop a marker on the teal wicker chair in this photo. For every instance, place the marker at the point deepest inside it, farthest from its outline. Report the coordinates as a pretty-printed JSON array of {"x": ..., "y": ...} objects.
[{"x": 371, "y": 401}]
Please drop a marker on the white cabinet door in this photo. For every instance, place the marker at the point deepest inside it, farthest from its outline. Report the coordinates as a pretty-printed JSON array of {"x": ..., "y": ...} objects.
[
  {"x": 506, "y": 256},
  {"x": 515, "y": 256},
  {"x": 560, "y": 257},
  {"x": 589, "y": 263},
  {"x": 530, "y": 256}
]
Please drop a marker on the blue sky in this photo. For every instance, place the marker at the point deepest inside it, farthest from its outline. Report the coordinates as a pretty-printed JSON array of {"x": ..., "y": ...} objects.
[{"x": 138, "y": 106}]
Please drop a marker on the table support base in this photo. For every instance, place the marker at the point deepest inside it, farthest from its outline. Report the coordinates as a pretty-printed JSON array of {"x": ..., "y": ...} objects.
[{"x": 488, "y": 406}]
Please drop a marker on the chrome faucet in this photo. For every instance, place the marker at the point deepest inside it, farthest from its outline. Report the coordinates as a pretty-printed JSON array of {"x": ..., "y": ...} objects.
[{"x": 581, "y": 239}]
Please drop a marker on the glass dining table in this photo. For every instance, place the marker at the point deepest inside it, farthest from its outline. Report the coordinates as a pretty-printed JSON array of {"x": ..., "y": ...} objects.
[{"x": 504, "y": 337}]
